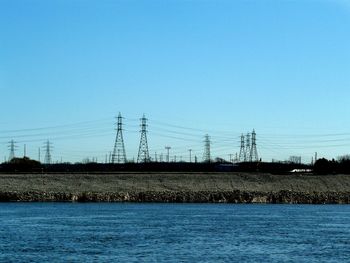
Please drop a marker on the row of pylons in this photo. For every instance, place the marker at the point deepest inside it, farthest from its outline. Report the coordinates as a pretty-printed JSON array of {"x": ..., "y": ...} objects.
[
  {"x": 47, "y": 148},
  {"x": 248, "y": 151},
  {"x": 119, "y": 154}
]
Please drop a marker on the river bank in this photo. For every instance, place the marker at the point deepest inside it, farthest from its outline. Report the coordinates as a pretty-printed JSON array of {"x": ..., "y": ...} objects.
[{"x": 177, "y": 187}]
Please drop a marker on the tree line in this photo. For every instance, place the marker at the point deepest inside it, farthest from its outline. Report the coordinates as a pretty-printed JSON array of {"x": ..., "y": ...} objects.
[{"x": 321, "y": 166}]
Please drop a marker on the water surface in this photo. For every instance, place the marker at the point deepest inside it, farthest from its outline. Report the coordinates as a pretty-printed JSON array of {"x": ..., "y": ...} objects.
[{"x": 75, "y": 232}]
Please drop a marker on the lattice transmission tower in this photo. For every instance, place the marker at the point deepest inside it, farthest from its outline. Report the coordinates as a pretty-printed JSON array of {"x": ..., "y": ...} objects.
[
  {"x": 206, "y": 155},
  {"x": 242, "y": 151},
  {"x": 47, "y": 148},
  {"x": 12, "y": 147},
  {"x": 167, "y": 148},
  {"x": 248, "y": 148},
  {"x": 254, "y": 152},
  {"x": 119, "y": 154},
  {"x": 143, "y": 155}
]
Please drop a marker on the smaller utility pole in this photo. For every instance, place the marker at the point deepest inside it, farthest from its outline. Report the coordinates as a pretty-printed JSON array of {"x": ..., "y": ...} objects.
[{"x": 190, "y": 150}]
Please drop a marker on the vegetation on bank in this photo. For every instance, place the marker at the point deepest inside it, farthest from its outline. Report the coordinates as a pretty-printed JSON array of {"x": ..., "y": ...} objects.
[
  {"x": 322, "y": 166},
  {"x": 340, "y": 166},
  {"x": 25, "y": 164}
]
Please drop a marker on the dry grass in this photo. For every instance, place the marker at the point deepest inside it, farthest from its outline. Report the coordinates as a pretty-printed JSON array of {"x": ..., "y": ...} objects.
[{"x": 192, "y": 182}]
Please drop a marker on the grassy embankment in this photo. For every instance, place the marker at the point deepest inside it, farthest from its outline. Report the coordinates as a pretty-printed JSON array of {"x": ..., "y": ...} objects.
[{"x": 176, "y": 187}]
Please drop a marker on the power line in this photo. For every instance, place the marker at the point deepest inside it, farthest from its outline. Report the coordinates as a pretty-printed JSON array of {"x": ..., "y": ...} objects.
[
  {"x": 184, "y": 136},
  {"x": 92, "y": 123}
]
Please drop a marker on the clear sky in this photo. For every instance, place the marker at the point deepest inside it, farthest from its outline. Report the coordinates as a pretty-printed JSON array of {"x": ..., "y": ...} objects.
[{"x": 192, "y": 67}]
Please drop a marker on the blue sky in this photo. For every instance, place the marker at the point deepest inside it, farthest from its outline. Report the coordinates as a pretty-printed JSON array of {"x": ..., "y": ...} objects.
[{"x": 193, "y": 67}]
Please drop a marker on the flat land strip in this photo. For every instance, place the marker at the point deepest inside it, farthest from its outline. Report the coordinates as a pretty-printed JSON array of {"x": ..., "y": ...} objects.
[{"x": 176, "y": 187}]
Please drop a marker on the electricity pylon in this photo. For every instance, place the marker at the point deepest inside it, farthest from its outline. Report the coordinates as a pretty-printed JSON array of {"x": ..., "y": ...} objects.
[
  {"x": 167, "y": 148},
  {"x": 47, "y": 148},
  {"x": 12, "y": 146},
  {"x": 143, "y": 155},
  {"x": 119, "y": 155},
  {"x": 254, "y": 152},
  {"x": 206, "y": 155},
  {"x": 242, "y": 152},
  {"x": 248, "y": 148}
]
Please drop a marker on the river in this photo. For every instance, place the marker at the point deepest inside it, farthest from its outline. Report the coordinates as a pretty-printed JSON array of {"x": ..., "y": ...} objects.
[{"x": 125, "y": 232}]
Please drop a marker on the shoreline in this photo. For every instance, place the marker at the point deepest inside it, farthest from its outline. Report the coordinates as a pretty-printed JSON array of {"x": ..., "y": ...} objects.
[{"x": 235, "y": 197}]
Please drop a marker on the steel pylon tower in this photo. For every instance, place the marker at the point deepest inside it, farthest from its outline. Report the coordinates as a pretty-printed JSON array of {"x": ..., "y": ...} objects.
[
  {"x": 248, "y": 147},
  {"x": 254, "y": 152},
  {"x": 206, "y": 155},
  {"x": 143, "y": 155},
  {"x": 167, "y": 148},
  {"x": 12, "y": 146},
  {"x": 119, "y": 155},
  {"x": 47, "y": 148},
  {"x": 242, "y": 152}
]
